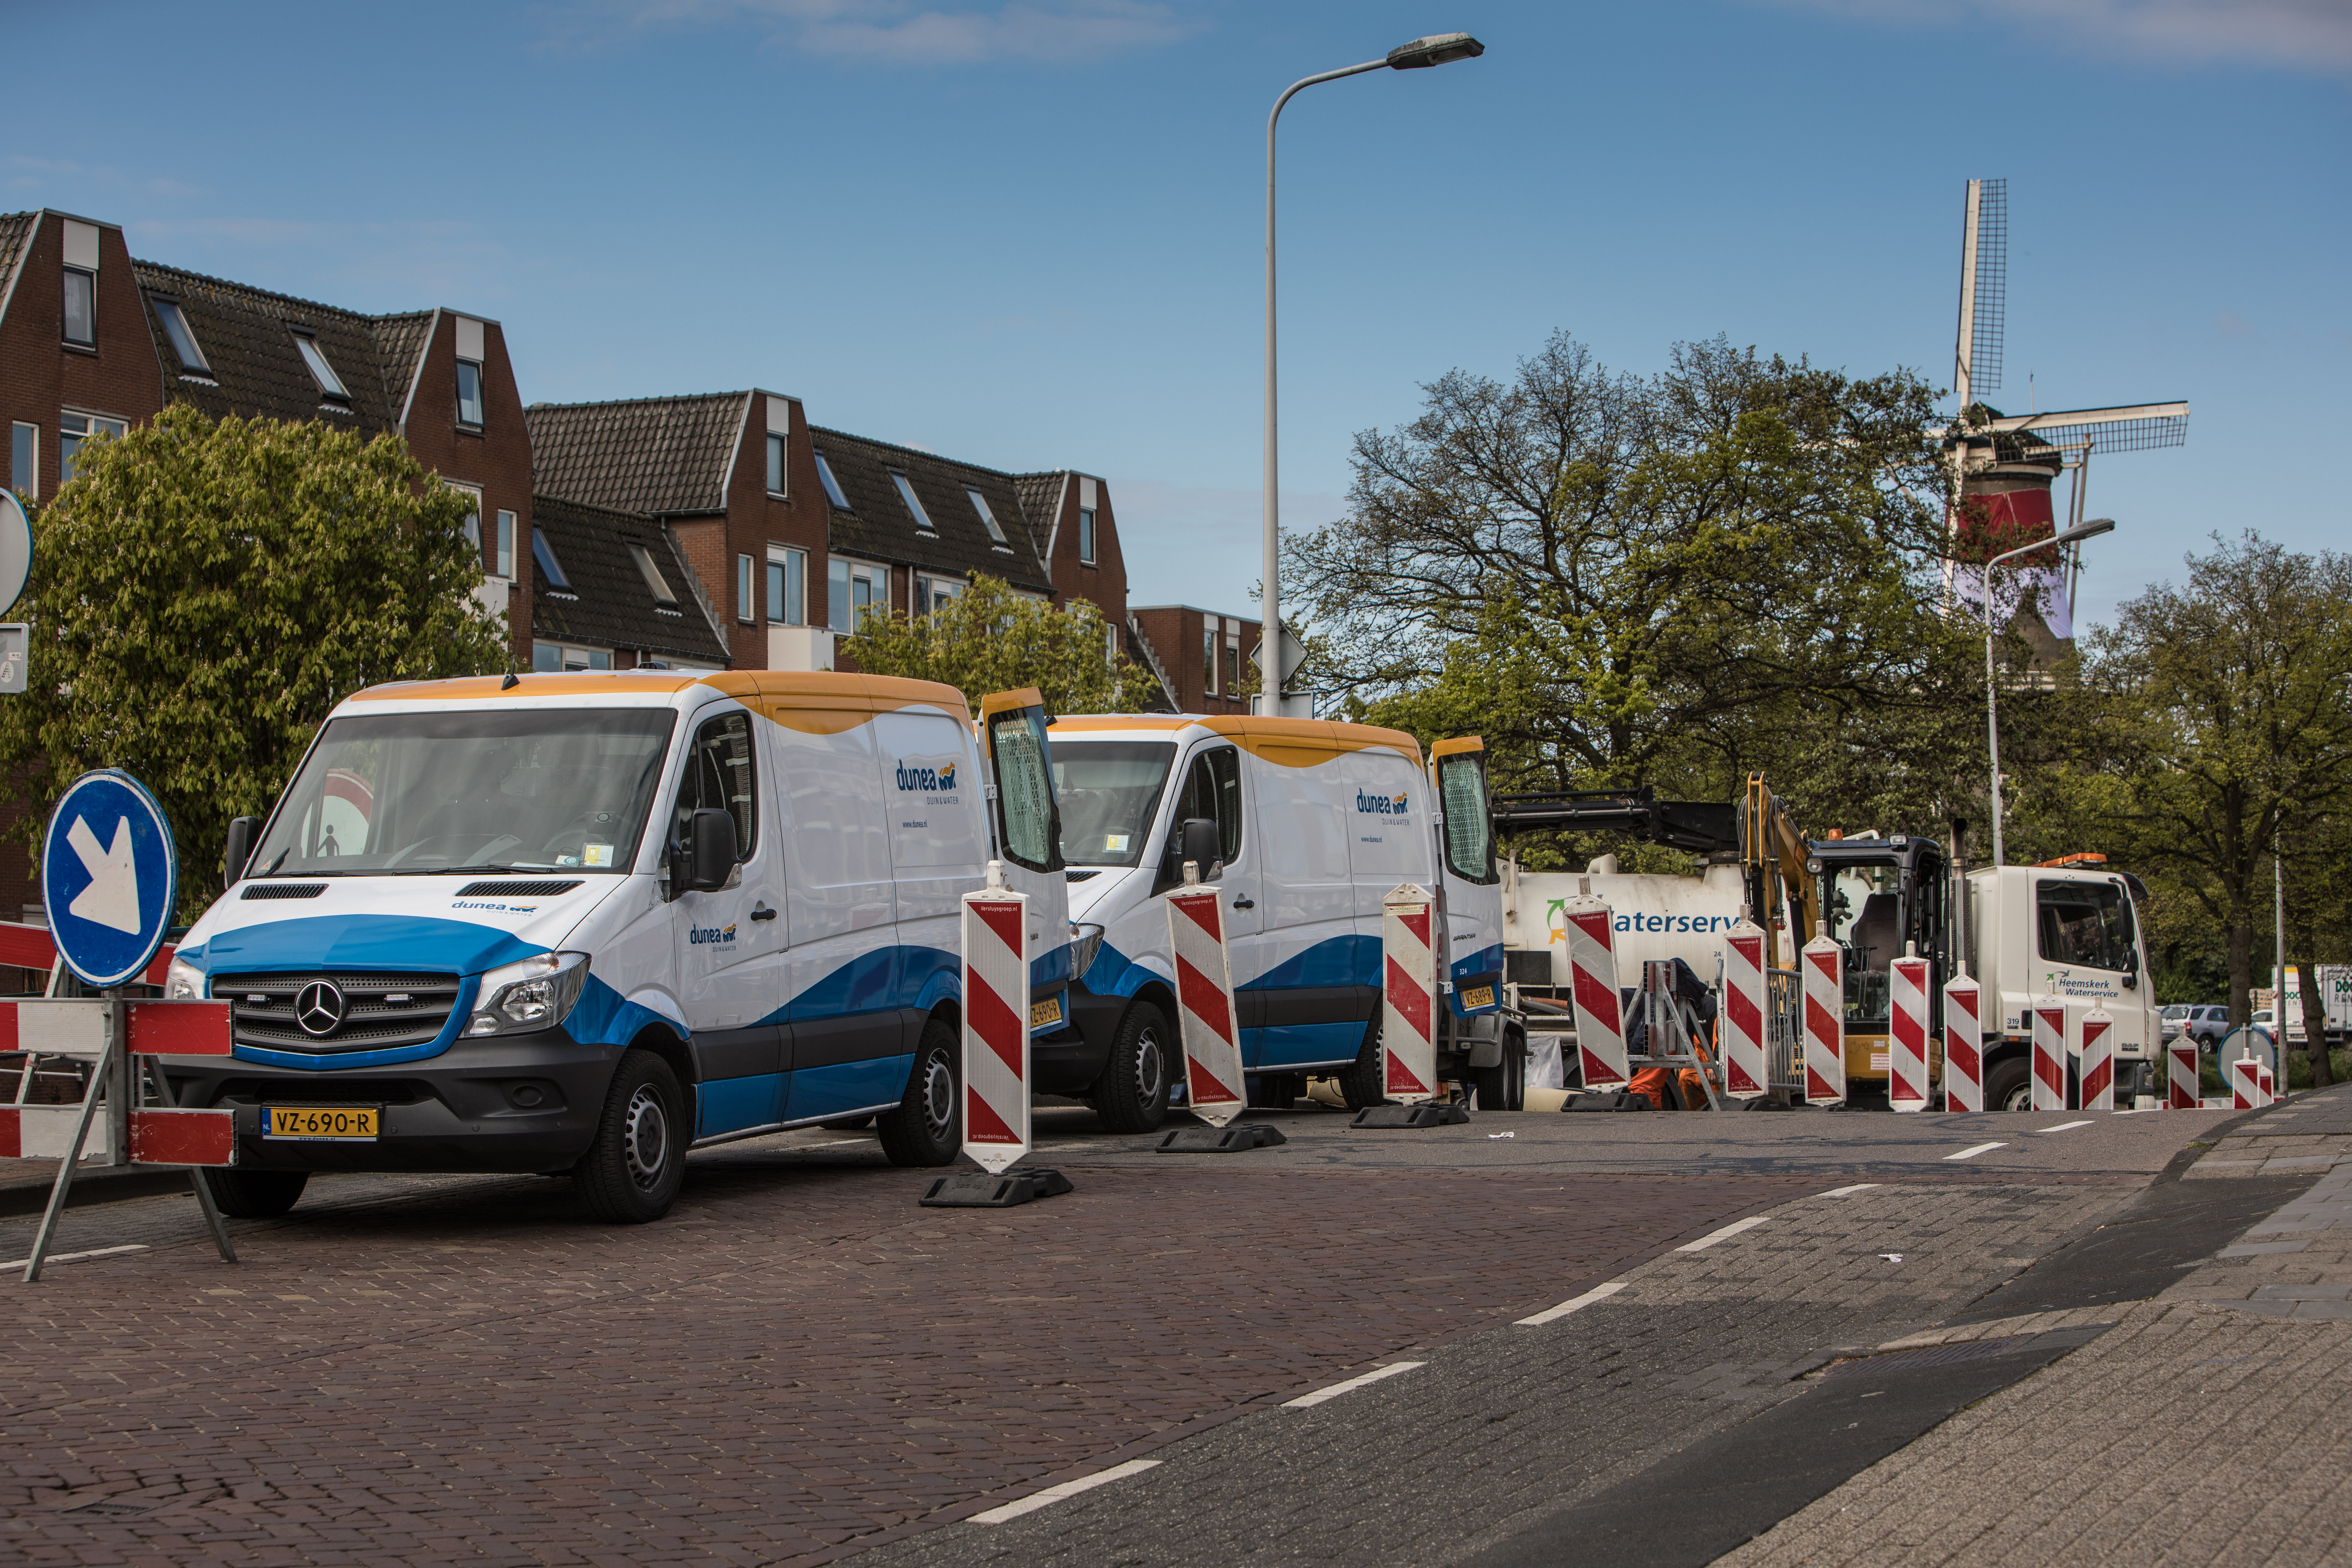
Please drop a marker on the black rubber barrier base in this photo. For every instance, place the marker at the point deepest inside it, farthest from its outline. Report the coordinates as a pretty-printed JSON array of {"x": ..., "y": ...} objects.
[
  {"x": 1237, "y": 1139},
  {"x": 979, "y": 1190},
  {"x": 1609, "y": 1099},
  {"x": 1410, "y": 1115},
  {"x": 1765, "y": 1102}
]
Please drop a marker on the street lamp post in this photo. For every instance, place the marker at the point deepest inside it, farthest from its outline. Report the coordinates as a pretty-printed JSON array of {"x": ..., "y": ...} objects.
[
  {"x": 1992, "y": 720},
  {"x": 1440, "y": 48}
]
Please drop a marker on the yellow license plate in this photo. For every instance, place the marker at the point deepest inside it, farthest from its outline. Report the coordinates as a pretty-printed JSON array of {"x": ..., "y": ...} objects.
[
  {"x": 347, "y": 1123},
  {"x": 1478, "y": 997},
  {"x": 1049, "y": 1011}
]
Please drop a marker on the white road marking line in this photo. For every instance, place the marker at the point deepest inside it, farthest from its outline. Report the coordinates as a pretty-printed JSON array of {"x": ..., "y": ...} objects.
[
  {"x": 1036, "y": 1500},
  {"x": 1846, "y": 1192},
  {"x": 1598, "y": 1293},
  {"x": 2062, "y": 1127},
  {"x": 1726, "y": 1234},
  {"x": 1337, "y": 1389},
  {"x": 1972, "y": 1153},
  {"x": 76, "y": 1257}
]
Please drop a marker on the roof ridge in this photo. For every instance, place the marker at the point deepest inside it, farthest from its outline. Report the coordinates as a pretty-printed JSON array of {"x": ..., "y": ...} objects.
[
  {"x": 612, "y": 514},
  {"x": 816, "y": 431},
  {"x": 138, "y": 266},
  {"x": 640, "y": 402}
]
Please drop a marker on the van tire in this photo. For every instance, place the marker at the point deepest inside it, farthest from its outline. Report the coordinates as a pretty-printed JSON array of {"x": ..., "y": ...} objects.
[
  {"x": 2011, "y": 1079},
  {"x": 637, "y": 1163},
  {"x": 254, "y": 1195},
  {"x": 1362, "y": 1082},
  {"x": 1131, "y": 1096},
  {"x": 1503, "y": 1087},
  {"x": 926, "y": 1127}
]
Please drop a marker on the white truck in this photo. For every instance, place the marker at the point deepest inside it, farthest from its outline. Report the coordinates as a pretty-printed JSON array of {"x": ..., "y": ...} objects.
[{"x": 2335, "y": 1003}]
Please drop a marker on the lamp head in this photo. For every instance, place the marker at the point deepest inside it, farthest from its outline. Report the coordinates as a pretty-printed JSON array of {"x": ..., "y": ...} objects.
[
  {"x": 1437, "y": 49},
  {"x": 2091, "y": 530}
]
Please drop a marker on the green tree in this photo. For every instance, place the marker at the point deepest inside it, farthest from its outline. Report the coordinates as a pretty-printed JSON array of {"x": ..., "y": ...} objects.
[
  {"x": 990, "y": 639},
  {"x": 204, "y": 594}
]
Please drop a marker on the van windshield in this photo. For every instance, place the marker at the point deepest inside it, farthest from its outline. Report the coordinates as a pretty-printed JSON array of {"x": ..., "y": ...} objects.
[
  {"x": 1109, "y": 791},
  {"x": 417, "y": 793}
]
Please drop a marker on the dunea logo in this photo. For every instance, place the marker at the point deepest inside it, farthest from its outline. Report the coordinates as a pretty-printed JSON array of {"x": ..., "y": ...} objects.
[
  {"x": 1380, "y": 804},
  {"x": 929, "y": 780},
  {"x": 704, "y": 934}
]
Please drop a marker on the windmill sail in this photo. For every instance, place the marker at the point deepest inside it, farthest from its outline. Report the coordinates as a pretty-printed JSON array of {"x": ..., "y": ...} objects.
[{"x": 1984, "y": 290}]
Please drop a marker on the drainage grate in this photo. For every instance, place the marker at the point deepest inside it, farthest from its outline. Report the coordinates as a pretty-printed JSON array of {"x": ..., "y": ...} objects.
[
  {"x": 111, "y": 1509},
  {"x": 516, "y": 890}
]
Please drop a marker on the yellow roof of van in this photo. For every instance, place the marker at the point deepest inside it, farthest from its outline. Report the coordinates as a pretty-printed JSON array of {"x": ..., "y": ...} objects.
[
  {"x": 816, "y": 703},
  {"x": 1290, "y": 743}
]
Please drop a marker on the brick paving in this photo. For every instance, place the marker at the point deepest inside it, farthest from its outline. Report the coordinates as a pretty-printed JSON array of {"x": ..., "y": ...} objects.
[{"x": 796, "y": 1360}]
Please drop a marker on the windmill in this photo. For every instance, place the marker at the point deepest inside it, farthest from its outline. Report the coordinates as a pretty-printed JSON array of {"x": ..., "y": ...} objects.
[{"x": 2006, "y": 466}]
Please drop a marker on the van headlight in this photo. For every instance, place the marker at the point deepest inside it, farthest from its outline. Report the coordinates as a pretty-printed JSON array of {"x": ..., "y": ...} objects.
[
  {"x": 536, "y": 993},
  {"x": 182, "y": 982},
  {"x": 1086, "y": 941}
]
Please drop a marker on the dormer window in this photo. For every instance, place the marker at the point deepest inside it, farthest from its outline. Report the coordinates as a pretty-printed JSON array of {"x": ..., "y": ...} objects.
[
  {"x": 914, "y": 504},
  {"x": 987, "y": 518},
  {"x": 183, "y": 341},
  {"x": 663, "y": 595},
  {"x": 831, "y": 485},
  {"x": 469, "y": 394},
  {"x": 330, "y": 383}
]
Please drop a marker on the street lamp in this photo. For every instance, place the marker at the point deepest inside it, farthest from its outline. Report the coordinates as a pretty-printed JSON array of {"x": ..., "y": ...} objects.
[
  {"x": 1437, "y": 49},
  {"x": 2091, "y": 530}
]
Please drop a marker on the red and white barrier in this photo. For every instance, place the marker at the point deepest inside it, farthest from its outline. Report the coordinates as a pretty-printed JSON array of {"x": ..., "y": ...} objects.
[
  {"x": 2267, "y": 1085},
  {"x": 2049, "y": 1053},
  {"x": 1906, "y": 1045},
  {"x": 2181, "y": 1088},
  {"x": 2097, "y": 1058},
  {"x": 1409, "y": 964},
  {"x": 1205, "y": 1006},
  {"x": 2245, "y": 1084},
  {"x": 995, "y": 1025},
  {"x": 1963, "y": 1045},
  {"x": 1824, "y": 975},
  {"x": 1745, "y": 1070},
  {"x": 1591, "y": 944}
]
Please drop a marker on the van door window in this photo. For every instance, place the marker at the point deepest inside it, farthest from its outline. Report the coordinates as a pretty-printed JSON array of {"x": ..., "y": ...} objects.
[
  {"x": 2086, "y": 923},
  {"x": 1212, "y": 789},
  {"x": 1469, "y": 829},
  {"x": 718, "y": 776},
  {"x": 1026, "y": 822}
]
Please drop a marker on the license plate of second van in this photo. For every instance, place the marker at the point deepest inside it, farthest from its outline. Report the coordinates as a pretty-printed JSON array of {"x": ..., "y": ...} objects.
[
  {"x": 344, "y": 1123},
  {"x": 1049, "y": 1011}
]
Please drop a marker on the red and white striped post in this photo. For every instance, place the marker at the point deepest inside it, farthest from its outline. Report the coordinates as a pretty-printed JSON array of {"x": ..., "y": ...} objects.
[
  {"x": 1409, "y": 965},
  {"x": 1204, "y": 1005},
  {"x": 1587, "y": 925},
  {"x": 2098, "y": 1060},
  {"x": 1824, "y": 967},
  {"x": 1906, "y": 1045},
  {"x": 1744, "y": 1072},
  {"x": 2181, "y": 1087},
  {"x": 2049, "y": 1053},
  {"x": 2264, "y": 1081},
  {"x": 1963, "y": 1044},
  {"x": 995, "y": 1024},
  {"x": 2245, "y": 1084}
]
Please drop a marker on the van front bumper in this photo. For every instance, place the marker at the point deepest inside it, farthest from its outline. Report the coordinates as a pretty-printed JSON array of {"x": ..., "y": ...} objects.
[{"x": 509, "y": 1102}]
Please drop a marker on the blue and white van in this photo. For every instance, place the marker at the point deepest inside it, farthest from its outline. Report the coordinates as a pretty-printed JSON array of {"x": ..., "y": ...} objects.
[
  {"x": 584, "y": 922},
  {"x": 1306, "y": 825}
]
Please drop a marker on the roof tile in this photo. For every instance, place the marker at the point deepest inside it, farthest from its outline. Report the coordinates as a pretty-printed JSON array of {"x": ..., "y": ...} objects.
[
  {"x": 608, "y": 602},
  {"x": 878, "y": 523},
  {"x": 656, "y": 454}
]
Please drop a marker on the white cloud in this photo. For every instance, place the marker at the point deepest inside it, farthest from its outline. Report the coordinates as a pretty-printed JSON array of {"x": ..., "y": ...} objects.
[
  {"x": 2303, "y": 35},
  {"x": 902, "y": 32}
]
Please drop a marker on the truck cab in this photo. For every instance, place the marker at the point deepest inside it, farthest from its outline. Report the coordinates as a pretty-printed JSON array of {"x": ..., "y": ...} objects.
[{"x": 2070, "y": 931}]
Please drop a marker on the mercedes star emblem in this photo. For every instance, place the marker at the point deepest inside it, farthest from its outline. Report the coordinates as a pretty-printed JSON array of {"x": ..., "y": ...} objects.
[{"x": 319, "y": 1008}]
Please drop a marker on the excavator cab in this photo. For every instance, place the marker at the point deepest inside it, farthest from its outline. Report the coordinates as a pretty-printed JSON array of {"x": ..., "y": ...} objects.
[{"x": 1880, "y": 898}]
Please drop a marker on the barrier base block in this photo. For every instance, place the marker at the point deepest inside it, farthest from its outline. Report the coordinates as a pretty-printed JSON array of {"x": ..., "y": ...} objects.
[
  {"x": 1239, "y": 1138},
  {"x": 1608, "y": 1100},
  {"x": 1763, "y": 1102},
  {"x": 1410, "y": 1115},
  {"x": 979, "y": 1190}
]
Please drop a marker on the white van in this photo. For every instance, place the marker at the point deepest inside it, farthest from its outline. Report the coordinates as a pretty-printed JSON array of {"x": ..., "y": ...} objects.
[
  {"x": 1306, "y": 825},
  {"x": 586, "y": 921}
]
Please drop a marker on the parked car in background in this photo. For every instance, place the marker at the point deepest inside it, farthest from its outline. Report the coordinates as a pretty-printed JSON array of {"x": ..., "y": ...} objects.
[{"x": 2204, "y": 1024}]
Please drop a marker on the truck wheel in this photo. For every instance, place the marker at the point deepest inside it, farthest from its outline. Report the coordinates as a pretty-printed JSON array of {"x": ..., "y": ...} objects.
[
  {"x": 2009, "y": 1086},
  {"x": 1504, "y": 1085},
  {"x": 1132, "y": 1094},
  {"x": 926, "y": 1127},
  {"x": 1362, "y": 1081},
  {"x": 255, "y": 1194},
  {"x": 633, "y": 1170}
]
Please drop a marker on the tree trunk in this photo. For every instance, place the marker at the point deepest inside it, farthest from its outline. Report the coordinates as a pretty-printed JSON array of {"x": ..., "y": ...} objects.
[
  {"x": 2315, "y": 1015},
  {"x": 2241, "y": 952}
]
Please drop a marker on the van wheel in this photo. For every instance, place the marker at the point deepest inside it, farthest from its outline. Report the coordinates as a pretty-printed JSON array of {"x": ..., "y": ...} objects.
[
  {"x": 633, "y": 1170},
  {"x": 926, "y": 1127},
  {"x": 255, "y": 1194},
  {"x": 1503, "y": 1087},
  {"x": 1132, "y": 1094},
  {"x": 1362, "y": 1081},
  {"x": 2009, "y": 1086}
]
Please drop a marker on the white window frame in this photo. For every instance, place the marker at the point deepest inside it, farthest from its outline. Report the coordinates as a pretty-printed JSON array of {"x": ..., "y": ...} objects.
[
  {"x": 987, "y": 518},
  {"x": 832, "y": 491},
  {"x": 1209, "y": 658},
  {"x": 25, "y": 453},
  {"x": 847, "y": 574},
  {"x": 92, "y": 425},
  {"x": 923, "y": 524},
  {"x": 64, "y": 302},
  {"x": 321, "y": 369},
  {"x": 930, "y": 588},
  {"x": 1085, "y": 536},
  {"x": 780, "y": 465},
  {"x": 473, "y": 520},
  {"x": 180, "y": 335},
  {"x": 787, "y": 585},
  {"x": 505, "y": 553},
  {"x": 656, "y": 583},
  {"x": 479, "y": 420},
  {"x": 565, "y": 654},
  {"x": 747, "y": 604}
]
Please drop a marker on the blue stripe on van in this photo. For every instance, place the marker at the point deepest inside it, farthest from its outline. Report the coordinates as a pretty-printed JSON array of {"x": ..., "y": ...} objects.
[
  {"x": 845, "y": 1087},
  {"x": 1337, "y": 961}
]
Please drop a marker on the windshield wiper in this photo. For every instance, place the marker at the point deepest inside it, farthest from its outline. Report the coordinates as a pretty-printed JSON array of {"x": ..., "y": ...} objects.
[{"x": 458, "y": 870}]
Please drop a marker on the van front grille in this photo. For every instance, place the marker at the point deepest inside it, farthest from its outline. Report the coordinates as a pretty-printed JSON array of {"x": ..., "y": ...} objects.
[
  {"x": 352, "y": 1013},
  {"x": 283, "y": 889}
]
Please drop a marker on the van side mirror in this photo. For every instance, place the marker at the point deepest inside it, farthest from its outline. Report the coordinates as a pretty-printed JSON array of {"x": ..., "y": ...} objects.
[
  {"x": 1198, "y": 840},
  {"x": 242, "y": 831},
  {"x": 711, "y": 850}
]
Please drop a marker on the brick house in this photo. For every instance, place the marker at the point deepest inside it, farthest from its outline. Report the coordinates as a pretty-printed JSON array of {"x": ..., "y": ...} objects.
[
  {"x": 1199, "y": 656},
  {"x": 610, "y": 591},
  {"x": 1079, "y": 537}
]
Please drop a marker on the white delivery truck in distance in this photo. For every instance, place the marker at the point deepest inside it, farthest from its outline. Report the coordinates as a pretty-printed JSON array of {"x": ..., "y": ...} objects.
[
  {"x": 584, "y": 922},
  {"x": 1304, "y": 825}
]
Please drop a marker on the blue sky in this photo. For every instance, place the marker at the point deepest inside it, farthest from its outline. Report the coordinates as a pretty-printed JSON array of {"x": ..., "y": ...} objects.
[{"x": 1028, "y": 233}]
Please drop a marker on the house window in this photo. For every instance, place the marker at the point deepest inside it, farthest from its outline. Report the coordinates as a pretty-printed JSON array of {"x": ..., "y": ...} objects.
[
  {"x": 24, "y": 459},
  {"x": 1209, "y": 661},
  {"x": 832, "y": 485},
  {"x": 507, "y": 545},
  {"x": 1085, "y": 536},
  {"x": 469, "y": 394},
  {"x": 322, "y": 372},
  {"x": 1110, "y": 646},
  {"x": 553, "y": 658},
  {"x": 914, "y": 504},
  {"x": 775, "y": 464},
  {"x": 787, "y": 586},
  {"x": 653, "y": 575},
  {"x": 544, "y": 553},
  {"x": 183, "y": 341},
  {"x": 851, "y": 588},
  {"x": 987, "y": 518},
  {"x": 745, "y": 609},
  {"x": 81, "y": 306},
  {"x": 931, "y": 593},
  {"x": 473, "y": 517},
  {"x": 1232, "y": 666},
  {"x": 73, "y": 429}
]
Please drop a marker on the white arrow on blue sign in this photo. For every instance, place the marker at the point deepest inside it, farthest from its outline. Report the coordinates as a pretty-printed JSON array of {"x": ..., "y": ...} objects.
[{"x": 110, "y": 876}]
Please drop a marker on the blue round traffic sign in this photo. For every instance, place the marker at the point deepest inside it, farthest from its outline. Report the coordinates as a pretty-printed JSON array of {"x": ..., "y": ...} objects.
[{"x": 110, "y": 876}]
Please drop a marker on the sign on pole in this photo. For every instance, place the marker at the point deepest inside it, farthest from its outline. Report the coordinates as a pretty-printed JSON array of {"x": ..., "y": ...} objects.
[
  {"x": 15, "y": 550},
  {"x": 1204, "y": 1005},
  {"x": 109, "y": 878}
]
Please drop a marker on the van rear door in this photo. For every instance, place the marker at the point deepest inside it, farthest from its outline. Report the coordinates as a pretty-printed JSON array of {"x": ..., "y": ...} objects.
[
  {"x": 1027, "y": 822},
  {"x": 1473, "y": 888}
]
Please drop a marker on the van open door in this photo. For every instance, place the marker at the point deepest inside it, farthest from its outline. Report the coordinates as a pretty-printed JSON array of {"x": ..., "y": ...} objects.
[
  {"x": 1026, "y": 820},
  {"x": 1473, "y": 891}
]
